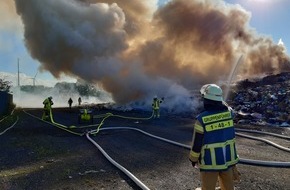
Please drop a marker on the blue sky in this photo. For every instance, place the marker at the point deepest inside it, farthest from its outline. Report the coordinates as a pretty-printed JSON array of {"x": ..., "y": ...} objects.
[{"x": 268, "y": 17}]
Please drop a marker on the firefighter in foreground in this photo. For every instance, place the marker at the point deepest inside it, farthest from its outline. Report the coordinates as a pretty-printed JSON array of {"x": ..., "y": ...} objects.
[
  {"x": 156, "y": 106},
  {"x": 213, "y": 149},
  {"x": 47, "y": 108}
]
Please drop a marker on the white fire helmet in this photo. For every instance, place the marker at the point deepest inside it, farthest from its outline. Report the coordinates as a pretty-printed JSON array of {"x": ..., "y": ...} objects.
[{"x": 212, "y": 92}]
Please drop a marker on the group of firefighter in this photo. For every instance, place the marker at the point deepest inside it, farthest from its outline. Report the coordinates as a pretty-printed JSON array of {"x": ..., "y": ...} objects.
[
  {"x": 48, "y": 103},
  {"x": 213, "y": 148},
  {"x": 70, "y": 101}
]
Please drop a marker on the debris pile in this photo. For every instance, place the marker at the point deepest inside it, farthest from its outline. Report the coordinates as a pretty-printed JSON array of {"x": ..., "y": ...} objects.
[{"x": 263, "y": 102}]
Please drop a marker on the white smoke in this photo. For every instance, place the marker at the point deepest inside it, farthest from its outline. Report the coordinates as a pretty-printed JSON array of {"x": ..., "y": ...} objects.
[
  {"x": 281, "y": 43},
  {"x": 135, "y": 51},
  {"x": 34, "y": 99},
  {"x": 29, "y": 96}
]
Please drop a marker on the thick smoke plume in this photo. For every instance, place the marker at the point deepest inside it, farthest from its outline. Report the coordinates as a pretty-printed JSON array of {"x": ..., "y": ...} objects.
[
  {"x": 9, "y": 23},
  {"x": 9, "y": 19},
  {"x": 136, "y": 50}
]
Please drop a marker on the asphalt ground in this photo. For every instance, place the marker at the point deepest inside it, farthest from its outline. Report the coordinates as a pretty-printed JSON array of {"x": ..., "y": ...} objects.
[{"x": 36, "y": 155}]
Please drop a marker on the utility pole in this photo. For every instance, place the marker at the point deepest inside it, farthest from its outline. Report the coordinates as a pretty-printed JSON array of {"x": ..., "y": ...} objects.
[{"x": 18, "y": 81}]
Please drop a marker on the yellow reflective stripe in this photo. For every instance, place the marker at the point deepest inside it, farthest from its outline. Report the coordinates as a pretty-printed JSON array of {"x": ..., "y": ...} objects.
[
  {"x": 212, "y": 156},
  {"x": 212, "y": 148},
  {"x": 194, "y": 154},
  {"x": 232, "y": 151},
  {"x": 156, "y": 104},
  {"x": 217, "y": 117},
  {"x": 202, "y": 158},
  {"x": 219, "y": 125},
  {"x": 216, "y": 145},
  {"x": 199, "y": 128},
  {"x": 233, "y": 161},
  {"x": 219, "y": 167}
]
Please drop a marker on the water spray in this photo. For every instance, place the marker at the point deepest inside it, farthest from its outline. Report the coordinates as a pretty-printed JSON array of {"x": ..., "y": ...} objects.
[{"x": 231, "y": 76}]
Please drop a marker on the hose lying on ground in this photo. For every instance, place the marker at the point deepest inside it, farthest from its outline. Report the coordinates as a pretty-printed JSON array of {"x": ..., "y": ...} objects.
[
  {"x": 63, "y": 128},
  {"x": 124, "y": 170},
  {"x": 7, "y": 116},
  {"x": 264, "y": 140},
  {"x": 262, "y": 132},
  {"x": 242, "y": 160},
  {"x": 10, "y": 127}
]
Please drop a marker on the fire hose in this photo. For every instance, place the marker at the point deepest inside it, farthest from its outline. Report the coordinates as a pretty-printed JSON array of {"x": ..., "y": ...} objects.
[
  {"x": 136, "y": 180},
  {"x": 124, "y": 170},
  {"x": 264, "y": 140},
  {"x": 10, "y": 127},
  {"x": 7, "y": 116},
  {"x": 242, "y": 160},
  {"x": 262, "y": 132}
]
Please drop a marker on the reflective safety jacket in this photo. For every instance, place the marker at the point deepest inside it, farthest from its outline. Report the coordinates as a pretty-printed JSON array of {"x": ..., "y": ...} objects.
[
  {"x": 86, "y": 115},
  {"x": 156, "y": 103},
  {"x": 214, "y": 141},
  {"x": 47, "y": 103}
]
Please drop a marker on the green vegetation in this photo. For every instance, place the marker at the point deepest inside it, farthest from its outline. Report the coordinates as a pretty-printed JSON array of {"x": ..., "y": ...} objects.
[{"x": 5, "y": 85}]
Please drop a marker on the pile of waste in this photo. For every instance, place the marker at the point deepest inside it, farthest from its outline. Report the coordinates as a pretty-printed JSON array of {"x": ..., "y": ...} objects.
[{"x": 262, "y": 101}]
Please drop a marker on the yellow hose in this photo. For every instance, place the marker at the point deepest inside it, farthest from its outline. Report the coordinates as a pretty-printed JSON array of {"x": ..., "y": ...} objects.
[
  {"x": 120, "y": 116},
  {"x": 105, "y": 116},
  {"x": 63, "y": 127}
]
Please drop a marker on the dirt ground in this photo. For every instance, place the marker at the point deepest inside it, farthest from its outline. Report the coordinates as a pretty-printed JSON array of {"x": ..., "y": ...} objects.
[{"x": 36, "y": 155}]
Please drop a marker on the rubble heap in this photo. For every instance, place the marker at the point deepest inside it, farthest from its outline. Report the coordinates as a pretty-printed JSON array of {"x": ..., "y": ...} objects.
[{"x": 262, "y": 101}]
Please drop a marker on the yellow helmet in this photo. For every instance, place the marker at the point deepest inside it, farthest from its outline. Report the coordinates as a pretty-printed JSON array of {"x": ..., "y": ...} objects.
[{"x": 212, "y": 92}]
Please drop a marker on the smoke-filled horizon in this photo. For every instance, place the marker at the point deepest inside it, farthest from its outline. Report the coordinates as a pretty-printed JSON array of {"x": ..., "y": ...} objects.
[
  {"x": 61, "y": 92},
  {"x": 135, "y": 50}
]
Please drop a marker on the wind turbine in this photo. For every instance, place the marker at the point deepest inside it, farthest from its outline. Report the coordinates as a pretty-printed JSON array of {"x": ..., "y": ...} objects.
[{"x": 34, "y": 78}]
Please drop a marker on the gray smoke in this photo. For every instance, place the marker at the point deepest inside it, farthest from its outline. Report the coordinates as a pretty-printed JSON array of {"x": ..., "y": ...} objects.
[{"x": 134, "y": 50}]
